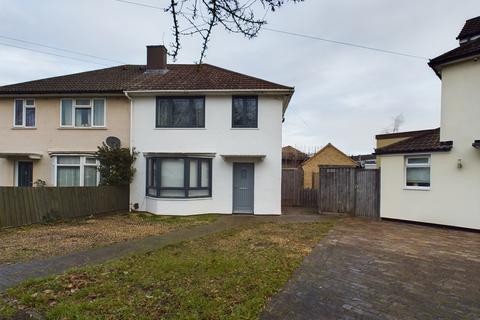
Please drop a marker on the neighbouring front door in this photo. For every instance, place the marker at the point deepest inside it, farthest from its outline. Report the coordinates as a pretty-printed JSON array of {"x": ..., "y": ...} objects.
[
  {"x": 25, "y": 174},
  {"x": 243, "y": 184}
]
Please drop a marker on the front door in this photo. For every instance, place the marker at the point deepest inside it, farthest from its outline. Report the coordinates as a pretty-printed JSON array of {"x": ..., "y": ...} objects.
[
  {"x": 243, "y": 184},
  {"x": 25, "y": 174}
]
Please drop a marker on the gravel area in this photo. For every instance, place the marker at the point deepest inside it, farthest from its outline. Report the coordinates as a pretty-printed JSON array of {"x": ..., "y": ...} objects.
[{"x": 25, "y": 243}]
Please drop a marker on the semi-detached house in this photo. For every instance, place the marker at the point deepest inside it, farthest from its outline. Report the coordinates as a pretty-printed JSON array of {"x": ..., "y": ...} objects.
[{"x": 208, "y": 139}]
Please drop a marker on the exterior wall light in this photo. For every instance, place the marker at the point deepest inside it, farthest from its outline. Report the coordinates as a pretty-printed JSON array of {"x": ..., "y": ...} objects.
[{"x": 459, "y": 164}]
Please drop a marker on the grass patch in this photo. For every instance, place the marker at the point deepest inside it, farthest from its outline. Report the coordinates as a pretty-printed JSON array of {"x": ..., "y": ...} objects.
[
  {"x": 39, "y": 241},
  {"x": 229, "y": 275}
]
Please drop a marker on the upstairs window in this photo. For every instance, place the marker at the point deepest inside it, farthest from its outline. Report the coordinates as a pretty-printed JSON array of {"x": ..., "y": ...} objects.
[
  {"x": 179, "y": 177},
  {"x": 180, "y": 112},
  {"x": 24, "y": 113},
  {"x": 245, "y": 112},
  {"x": 417, "y": 172},
  {"x": 82, "y": 113}
]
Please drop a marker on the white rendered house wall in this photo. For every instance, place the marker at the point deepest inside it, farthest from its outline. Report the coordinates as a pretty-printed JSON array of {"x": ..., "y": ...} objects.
[{"x": 217, "y": 137}]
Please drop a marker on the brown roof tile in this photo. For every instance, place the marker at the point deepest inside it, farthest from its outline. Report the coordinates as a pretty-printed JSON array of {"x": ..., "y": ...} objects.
[
  {"x": 471, "y": 28},
  {"x": 404, "y": 134},
  {"x": 429, "y": 141},
  {"x": 137, "y": 78},
  {"x": 291, "y": 153}
]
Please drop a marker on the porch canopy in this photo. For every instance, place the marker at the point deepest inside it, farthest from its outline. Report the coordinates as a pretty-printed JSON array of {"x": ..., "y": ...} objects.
[
  {"x": 243, "y": 157},
  {"x": 21, "y": 155}
]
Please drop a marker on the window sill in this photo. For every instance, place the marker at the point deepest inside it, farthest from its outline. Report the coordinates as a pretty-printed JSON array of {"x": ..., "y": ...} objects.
[
  {"x": 179, "y": 199},
  {"x": 82, "y": 128},
  {"x": 180, "y": 128},
  {"x": 244, "y": 129},
  {"x": 24, "y": 128},
  {"x": 417, "y": 188}
]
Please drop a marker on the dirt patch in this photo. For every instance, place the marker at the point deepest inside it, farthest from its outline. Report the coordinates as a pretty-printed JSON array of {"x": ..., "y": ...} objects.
[{"x": 25, "y": 243}]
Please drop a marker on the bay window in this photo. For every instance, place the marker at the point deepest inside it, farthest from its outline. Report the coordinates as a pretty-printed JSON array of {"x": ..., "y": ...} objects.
[
  {"x": 179, "y": 177},
  {"x": 76, "y": 171},
  {"x": 24, "y": 113},
  {"x": 417, "y": 172},
  {"x": 82, "y": 113},
  {"x": 180, "y": 112}
]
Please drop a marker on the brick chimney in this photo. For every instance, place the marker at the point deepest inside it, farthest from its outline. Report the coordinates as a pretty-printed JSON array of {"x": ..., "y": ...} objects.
[{"x": 156, "y": 58}]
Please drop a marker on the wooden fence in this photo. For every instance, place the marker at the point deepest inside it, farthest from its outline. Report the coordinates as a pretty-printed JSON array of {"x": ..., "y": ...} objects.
[
  {"x": 353, "y": 191},
  {"x": 24, "y": 206},
  {"x": 293, "y": 193},
  {"x": 292, "y": 183}
]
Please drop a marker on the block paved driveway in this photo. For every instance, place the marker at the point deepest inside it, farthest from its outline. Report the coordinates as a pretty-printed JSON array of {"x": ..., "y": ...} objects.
[{"x": 385, "y": 270}]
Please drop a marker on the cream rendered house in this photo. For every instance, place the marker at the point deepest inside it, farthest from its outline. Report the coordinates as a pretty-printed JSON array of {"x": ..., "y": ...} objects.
[
  {"x": 50, "y": 130},
  {"x": 208, "y": 139},
  {"x": 433, "y": 175}
]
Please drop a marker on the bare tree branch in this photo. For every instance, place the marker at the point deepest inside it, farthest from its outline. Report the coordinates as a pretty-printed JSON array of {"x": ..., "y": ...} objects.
[{"x": 202, "y": 16}]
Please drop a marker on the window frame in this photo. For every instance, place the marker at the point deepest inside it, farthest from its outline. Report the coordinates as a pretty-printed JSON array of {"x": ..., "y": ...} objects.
[
  {"x": 24, "y": 113},
  {"x": 256, "y": 111},
  {"x": 82, "y": 164},
  {"x": 157, "y": 126},
  {"x": 186, "y": 177},
  {"x": 419, "y": 165},
  {"x": 80, "y": 106}
]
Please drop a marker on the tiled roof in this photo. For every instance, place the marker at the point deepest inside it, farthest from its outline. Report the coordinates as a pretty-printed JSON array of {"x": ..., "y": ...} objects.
[
  {"x": 137, "y": 78},
  {"x": 404, "y": 134},
  {"x": 291, "y": 153},
  {"x": 471, "y": 28},
  {"x": 469, "y": 49},
  {"x": 429, "y": 141}
]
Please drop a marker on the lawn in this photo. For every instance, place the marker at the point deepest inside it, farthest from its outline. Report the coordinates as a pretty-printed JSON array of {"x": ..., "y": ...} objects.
[
  {"x": 228, "y": 275},
  {"x": 37, "y": 241}
]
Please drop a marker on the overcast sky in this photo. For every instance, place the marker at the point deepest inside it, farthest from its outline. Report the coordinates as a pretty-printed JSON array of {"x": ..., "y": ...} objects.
[{"x": 343, "y": 95}]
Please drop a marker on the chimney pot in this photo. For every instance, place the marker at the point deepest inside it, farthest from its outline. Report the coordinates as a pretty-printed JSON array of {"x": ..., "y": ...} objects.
[{"x": 156, "y": 57}]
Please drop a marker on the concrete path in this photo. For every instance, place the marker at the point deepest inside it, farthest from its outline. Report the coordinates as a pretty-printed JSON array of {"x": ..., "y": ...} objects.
[
  {"x": 12, "y": 274},
  {"x": 385, "y": 270}
]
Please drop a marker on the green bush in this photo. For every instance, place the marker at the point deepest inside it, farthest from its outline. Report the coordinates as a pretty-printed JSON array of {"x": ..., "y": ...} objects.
[{"x": 116, "y": 165}]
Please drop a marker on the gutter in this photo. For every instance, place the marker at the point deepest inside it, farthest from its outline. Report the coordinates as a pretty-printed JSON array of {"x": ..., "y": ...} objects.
[{"x": 214, "y": 91}]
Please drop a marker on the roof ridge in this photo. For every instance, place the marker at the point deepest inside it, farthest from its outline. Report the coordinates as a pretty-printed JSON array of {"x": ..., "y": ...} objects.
[{"x": 411, "y": 133}]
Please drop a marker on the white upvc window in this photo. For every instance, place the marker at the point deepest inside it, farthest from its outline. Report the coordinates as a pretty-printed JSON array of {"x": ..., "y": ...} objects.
[
  {"x": 83, "y": 113},
  {"x": 417, "y": 172},
  {"x": 24, "y": 113},
  {"x": 76, "y": 171}
]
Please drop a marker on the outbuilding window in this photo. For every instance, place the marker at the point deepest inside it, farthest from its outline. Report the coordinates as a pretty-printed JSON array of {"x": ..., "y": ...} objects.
[
  {"x": 417, "y": 172},
  {"x": 179, "y": 177}
]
